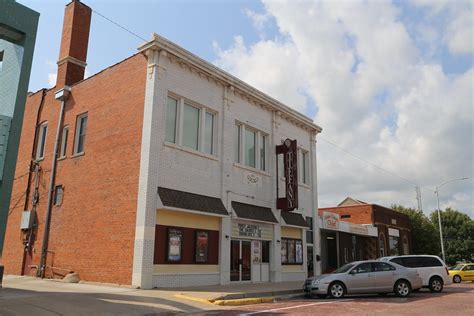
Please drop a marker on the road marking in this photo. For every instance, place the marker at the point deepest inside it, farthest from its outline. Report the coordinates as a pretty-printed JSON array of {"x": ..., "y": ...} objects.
[{"x": 297, "y": 306}]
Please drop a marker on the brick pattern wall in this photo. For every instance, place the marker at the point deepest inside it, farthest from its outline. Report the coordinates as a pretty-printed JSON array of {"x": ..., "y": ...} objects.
[
  {"x": 93, "y": 231},
  {"x": 359, "y": 214}
]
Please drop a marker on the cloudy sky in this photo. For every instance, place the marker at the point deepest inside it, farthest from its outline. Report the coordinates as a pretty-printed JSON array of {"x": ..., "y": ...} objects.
[{"x": 391, "y": 83}]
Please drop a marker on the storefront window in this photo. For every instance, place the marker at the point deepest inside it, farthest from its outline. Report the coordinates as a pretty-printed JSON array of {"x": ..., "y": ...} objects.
[
  {"x": 284, "y": 251},
  {"x": 382, "y": 245},
  {"x": 175, "y": 238},
  {"x": 202, "y": 246},
  {"x": 265, "y": 252},
  {"x": 292, "y": 251},
  {"x": 393, "y": 244}
]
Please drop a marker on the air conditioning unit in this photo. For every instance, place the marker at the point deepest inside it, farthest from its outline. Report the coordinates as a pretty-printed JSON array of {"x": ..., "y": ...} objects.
[{"x": 27, "y": 219}]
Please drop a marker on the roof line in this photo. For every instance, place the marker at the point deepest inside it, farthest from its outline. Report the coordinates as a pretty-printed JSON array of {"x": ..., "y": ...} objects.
[{"x": 160, "y": 43}]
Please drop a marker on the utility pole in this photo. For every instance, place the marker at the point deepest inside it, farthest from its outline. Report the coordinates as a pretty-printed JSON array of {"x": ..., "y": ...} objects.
[{"x": 418, "y": 198}]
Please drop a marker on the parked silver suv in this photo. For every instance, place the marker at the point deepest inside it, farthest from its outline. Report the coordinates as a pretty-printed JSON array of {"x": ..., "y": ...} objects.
[
  {"x": 364, "y": 277},
  {"x": 432, "y": 269}
]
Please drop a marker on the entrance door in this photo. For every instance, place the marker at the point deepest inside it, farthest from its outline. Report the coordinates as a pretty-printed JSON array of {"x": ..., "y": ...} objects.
[{"x": 240, "y": 260}]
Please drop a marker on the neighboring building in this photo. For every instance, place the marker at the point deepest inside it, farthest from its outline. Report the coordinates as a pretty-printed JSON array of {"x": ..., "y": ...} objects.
[
  {"x": 394, "y": 228},
  {"x": 166, "y": 173},
  {"x": 18, "y": 26},
  {"x": 343, "y": 242}
]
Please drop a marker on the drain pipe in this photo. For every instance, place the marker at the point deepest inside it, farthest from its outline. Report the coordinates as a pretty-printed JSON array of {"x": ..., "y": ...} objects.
[{"x": 61, "y": 95}]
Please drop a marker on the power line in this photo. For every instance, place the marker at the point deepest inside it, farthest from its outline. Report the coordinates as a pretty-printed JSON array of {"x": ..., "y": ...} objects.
[
  {"x": 374, "y": 165},
  {"x": 120, "y": 26}
]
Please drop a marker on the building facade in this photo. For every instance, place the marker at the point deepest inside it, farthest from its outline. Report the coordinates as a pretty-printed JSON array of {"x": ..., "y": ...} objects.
[
  {"x": 393, "y": 228},
  {"x": 165, "y": 174}
]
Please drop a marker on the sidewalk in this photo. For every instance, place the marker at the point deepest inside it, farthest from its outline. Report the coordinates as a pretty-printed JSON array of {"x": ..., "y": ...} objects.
[
  {"x": 32, "y": 296},
  {"x": 240, "y": 291}
]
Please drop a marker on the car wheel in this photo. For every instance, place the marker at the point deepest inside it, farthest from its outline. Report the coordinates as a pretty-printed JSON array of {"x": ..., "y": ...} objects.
[
  {"x": 457, "y": 279},
  {"x": 402, "y": 288},
  {"x": 436, "y": 284},
  {"x": 322, "y": 295},
  {"x": 336, "y": 290}
]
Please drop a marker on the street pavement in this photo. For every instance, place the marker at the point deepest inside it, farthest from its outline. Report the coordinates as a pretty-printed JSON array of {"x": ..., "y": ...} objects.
[{"x": 29, "y": 296}]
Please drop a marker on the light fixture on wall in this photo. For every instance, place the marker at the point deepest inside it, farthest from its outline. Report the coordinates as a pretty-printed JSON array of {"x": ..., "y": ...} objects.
[
  {"x": 227, "y": 237},
  {"x": 278, "y": 240}
]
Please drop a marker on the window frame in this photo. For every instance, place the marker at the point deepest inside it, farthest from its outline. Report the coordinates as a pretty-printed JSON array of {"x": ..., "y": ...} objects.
[
  {"x": 286, "y": 241},
  {"x": 41, "y": 140},
  {"x": 77, "y": 134},
  {"x": 64, "y": 139},
  {"x": 304, "y": 176},
  {"x": 239, "y": 158},
  {"x": 179, "y": 125},
  {"x": 55, "y": 201}
]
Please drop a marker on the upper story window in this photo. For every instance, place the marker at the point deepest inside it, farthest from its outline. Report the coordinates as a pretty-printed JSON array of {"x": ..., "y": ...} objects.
[
  {"x": 42, "y": 133},
  {"x": 190, "y": 126},
  {"x": 250, "y": 147},
  {"x": 80, "y": 136},
  {"x": 64, "y": 136},
  {"x": 304, "y": 166}
]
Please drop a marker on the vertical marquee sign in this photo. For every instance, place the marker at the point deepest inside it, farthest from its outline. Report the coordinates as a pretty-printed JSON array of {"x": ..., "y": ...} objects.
[{"x": 289, "y": 151}]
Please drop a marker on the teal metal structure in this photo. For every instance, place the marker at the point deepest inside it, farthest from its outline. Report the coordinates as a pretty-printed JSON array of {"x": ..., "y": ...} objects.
[{"x": 18, "y": 26}]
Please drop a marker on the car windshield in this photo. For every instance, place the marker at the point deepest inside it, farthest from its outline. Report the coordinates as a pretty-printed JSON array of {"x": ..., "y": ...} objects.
[
  {"x": 457, "y": 267},
  {"x": 344, "y": 268}
]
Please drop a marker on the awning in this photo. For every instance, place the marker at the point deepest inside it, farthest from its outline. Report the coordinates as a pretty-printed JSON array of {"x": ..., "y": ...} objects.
[
  {"x": 294, "y": 219},
  {"x": 253, "y": 212},
  {"x": 192, "y": 201}
]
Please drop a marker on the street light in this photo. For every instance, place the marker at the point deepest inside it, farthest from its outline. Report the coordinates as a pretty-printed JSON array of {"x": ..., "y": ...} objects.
[{"x": 439, "y": 215}]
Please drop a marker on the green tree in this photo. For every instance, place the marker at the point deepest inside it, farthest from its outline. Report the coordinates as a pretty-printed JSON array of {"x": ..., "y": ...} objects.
[
  {"x": 424, "y": 236},
  {"x": 458, "y": 234}
]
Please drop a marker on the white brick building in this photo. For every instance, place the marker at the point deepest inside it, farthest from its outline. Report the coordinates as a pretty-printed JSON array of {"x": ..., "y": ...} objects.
[{"x": 206, "y": 209}]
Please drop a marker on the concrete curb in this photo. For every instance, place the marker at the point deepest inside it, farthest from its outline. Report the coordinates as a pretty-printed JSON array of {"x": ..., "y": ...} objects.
[
  {"x": 240, "y": 301},
  {"x": 244, "y": 301}
]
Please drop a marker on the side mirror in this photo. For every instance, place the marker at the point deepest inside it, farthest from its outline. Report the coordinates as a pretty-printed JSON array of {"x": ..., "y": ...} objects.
[{"x": 352, "y": 272}]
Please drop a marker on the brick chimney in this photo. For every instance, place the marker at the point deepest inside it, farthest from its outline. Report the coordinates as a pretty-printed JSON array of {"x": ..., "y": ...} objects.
[{"x": 74, "y": 42}]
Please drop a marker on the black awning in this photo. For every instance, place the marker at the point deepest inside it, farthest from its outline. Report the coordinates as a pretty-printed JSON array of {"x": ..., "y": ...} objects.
[
  {"x": 253, "y": 212},
  {"x": 191, "y": 201},
  {"x": 294, "y": 219}
]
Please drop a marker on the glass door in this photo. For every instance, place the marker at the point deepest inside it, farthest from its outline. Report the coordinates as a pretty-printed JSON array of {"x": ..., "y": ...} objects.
[
  {"x": 240, "y": 260},
  {"x": 246, "y": 262},
  {"x": 235, "y": 260}
]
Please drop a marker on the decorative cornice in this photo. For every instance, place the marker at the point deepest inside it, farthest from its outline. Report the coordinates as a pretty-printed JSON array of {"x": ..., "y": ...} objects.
[
  {"x": 72, "y": 60},
  {"x": 201, "y": 66}
]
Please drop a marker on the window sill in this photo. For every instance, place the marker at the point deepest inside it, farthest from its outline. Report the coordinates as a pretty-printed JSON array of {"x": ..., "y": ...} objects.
[
  {"x": 61, "y": 158},
  {"x": 39, "y": 159},
  {"x": 304, "y": 185},
  {"x": 191, "y": 151},
  {"x": 241, "y": 166},
  {"x": 78, "y": 155}
]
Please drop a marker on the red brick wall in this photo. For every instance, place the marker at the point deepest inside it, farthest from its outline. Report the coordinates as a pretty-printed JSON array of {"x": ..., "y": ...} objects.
[
  {"x": 93, "y": 231},
  {"x": 360, "y": 214}
]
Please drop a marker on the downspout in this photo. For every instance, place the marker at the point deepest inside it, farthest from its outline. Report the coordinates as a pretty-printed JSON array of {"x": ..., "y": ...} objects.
[{"x": 61, "y": 95}]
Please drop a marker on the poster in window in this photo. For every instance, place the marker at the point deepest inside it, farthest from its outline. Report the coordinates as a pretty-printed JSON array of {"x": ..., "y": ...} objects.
[
  {"x": 284, "y": 257},
  {"x": 202, "y": 246},
  {"x": 175, "y": 240},
  {"x": 256, "y": 251},
  {"x": 291, "y": 251},
  {"x": 299, "y": 251}
]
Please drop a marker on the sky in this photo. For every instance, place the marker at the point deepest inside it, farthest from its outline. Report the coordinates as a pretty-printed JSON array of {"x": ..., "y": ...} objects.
[{"x": 390, "y": 82}]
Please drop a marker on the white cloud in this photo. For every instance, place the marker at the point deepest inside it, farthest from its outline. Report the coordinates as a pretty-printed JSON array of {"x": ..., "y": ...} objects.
[
  {"x": 52, "y": 79},
  {"x": 376, "y": 96}
]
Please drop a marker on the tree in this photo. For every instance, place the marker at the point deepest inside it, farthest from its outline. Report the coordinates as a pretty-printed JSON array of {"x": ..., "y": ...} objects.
[
  {"x": 424, "y": 236},
  {"x": 458, "y": 235}
]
